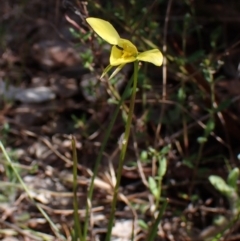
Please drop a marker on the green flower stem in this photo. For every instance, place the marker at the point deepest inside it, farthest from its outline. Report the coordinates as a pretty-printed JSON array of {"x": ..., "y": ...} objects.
[
  {"x": 99, "y": 157},
  {"x": 153, "y": 230},
  {"x": 206, "y": 134},
  {"x": 123, "y": 151},
  {"x": 77, "y": 225}
]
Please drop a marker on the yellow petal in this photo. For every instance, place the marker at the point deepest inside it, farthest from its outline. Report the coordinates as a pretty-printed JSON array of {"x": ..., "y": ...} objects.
[
  {"x": 104, "y": 29},
  {"x": 116, "y": 57},
  {"x": 153, "y": 56}
]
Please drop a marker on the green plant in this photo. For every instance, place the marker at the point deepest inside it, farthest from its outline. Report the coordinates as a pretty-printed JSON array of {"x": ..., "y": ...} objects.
[
  {"x": 155, "y": 183},
  {"x": 26, "y": 189},
  {"x": 229, "y": 189},
  {"x": 123, "y": 52}
]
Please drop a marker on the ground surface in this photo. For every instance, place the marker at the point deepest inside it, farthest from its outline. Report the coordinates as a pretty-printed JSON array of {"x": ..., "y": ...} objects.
[{"x": 51, "y": 90}]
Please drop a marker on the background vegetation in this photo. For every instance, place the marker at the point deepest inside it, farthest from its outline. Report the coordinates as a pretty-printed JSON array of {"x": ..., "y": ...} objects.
[{"x": 184, "y": 141}]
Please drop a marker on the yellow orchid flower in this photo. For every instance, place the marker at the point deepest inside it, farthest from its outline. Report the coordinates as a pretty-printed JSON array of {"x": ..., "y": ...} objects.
[{"x": 123, "y": 51}]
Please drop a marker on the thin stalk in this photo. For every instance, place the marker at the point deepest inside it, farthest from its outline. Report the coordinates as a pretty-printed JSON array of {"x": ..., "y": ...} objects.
[
  {"x": 206, "y": 134},
  {"x": 77, "y": 226},
  {"x": 123, "y": 152},
  {"x": 99, "y": 157},
  {"x": 159, "y": 190},
  {"x": 153, "y": 230}
]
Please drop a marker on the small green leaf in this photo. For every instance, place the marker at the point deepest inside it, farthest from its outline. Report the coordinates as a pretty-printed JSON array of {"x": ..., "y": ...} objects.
[
  {"x": 219, "y": 220},
  {"x": 124, "y": 116},
  {"x": 112, "y": 101},
  {"x": 128, "y": 92},
  {"x": 223, "y": 105},
  {"x": 153, "y": 187},
  {"x": 181, "y": 94},
  {"x": 143, "y": 224},
  {"x": 162, "y": 166},
  {"x": 144, "y": 155},
  {"x": 220, "y": 185},
  {"x": 209, "y": 127},
  {"x": 233, "y": 177},
  {"x": 188, "y": 162},
  {"x": 201, "y": 139},
  {"x": 165, "y": 150}
]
